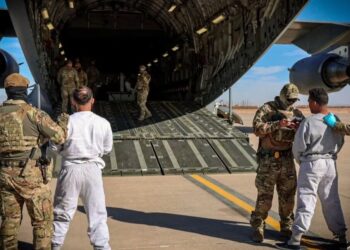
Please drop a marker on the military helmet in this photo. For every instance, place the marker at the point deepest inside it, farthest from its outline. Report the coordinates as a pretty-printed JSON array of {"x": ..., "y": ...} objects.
[
  {"x": 289, "y": 91},
  {"x": 16, "y": 80}
]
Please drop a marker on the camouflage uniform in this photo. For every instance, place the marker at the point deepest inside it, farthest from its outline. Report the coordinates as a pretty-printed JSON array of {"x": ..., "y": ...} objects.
[
  {"x": 342, "y": 128},
  {"x": 93, "y": 75},
  {"x": 69, "y": 80},
  {"x": 276, "y": 164},
  {"x": 83, "y": 79},
  {"x": 23, "y": 127},
  {"x": 142, "y": 87}
]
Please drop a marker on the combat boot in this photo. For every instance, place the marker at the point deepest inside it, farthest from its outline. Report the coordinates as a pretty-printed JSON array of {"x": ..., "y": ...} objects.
[
  {"x": 258, "y": 225},
  {"x": 148, "y": 115},
  {"x": 258, "y": 235},
  {"x": 142, "y": 115}
]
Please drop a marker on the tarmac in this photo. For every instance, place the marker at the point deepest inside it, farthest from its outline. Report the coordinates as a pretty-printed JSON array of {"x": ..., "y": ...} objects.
[{"x": 194, "y": 211}]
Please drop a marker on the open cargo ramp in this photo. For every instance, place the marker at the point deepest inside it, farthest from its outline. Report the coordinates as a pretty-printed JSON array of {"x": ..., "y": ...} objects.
[{"x": 179, "y": 138}]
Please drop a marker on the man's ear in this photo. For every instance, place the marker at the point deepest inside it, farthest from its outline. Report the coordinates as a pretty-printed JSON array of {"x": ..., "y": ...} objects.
[{"x": 92, "y": 101}]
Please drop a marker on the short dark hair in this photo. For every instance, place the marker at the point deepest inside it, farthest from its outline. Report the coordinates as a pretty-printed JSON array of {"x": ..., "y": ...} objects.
[
  {"x": 82, "y": 95},
  {"x": 319, "y": 95}
]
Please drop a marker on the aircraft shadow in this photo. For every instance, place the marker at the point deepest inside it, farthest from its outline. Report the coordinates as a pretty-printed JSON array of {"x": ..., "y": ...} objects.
[{"x": 224, "y": 229}]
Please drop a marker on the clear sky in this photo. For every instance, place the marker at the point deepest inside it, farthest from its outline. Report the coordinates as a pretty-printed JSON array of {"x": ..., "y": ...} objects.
[{"x": 265, "y": 79}]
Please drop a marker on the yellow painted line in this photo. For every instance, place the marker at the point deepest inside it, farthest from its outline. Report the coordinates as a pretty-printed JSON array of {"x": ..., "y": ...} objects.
[{"x": 242, "y": 204}]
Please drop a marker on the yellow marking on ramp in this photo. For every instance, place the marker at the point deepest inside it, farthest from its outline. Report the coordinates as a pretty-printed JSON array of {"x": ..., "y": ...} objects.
[{"x": 242, "y": 204}]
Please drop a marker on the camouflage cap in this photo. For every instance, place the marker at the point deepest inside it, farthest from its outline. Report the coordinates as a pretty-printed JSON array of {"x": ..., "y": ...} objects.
[
  {"x": 16, "y": 80},
  {"x": 290, "y": 91}
]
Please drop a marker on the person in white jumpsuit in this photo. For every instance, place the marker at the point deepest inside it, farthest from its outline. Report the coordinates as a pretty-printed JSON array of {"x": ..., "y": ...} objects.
[
  {"x": 89, "y": 138},
  {"x": 315, "y": 148}
]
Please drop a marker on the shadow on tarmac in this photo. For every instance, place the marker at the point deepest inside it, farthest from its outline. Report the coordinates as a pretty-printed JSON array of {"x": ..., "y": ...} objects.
[
  {"x": 24, "y": 245},
  {"x": 228, "y": 230},
  {"x": 245, "y": 129}
]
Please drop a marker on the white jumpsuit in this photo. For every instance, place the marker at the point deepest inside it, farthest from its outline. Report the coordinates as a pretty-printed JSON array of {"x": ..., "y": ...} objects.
[
  {"x": 89, "y": 138},
  {"x": 315, "y": 147}
]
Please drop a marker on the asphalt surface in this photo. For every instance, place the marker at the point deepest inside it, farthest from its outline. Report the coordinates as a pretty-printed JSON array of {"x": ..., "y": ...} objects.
[{"x": 192, "y": 211}]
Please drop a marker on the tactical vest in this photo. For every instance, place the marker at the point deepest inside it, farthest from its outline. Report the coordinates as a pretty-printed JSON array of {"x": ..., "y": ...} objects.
[
  {"x": 282, "y": 138},
  {"x": 284, "y": 134},
  {"x": 12, "y": 138}
]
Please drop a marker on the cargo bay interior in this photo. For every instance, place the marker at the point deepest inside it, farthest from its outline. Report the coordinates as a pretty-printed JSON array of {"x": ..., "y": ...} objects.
[{"x": 195, "y": 50}]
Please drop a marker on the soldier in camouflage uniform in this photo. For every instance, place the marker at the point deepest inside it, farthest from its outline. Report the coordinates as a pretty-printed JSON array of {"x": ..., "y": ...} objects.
[
  {"x": 332, "y": 121},
  {"x": 342, "y": 128},
  {"x": 83, "y": 79},
  {"x": 142, "y": 88},
  {"x": 275, "y": 124},
  {"x": 22, "y": 129},
  {"x": 68, "y": 79},
  {"x": 93, "y": 75}
]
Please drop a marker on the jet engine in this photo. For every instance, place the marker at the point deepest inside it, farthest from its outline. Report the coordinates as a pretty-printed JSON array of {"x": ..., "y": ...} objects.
[
  {"x": 8, "y": 65},
  {"x": 327, "y": 70}
]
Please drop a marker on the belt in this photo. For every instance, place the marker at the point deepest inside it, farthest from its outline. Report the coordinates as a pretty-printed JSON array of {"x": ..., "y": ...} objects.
[
  {"x": 12, "y": 163},
  {"x": 276, "y": 154}
]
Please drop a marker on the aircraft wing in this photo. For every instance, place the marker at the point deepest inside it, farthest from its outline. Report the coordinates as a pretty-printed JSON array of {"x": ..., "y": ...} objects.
[
  {"x": 314, "y": 37},
  {"x": 6, "y": 27}
]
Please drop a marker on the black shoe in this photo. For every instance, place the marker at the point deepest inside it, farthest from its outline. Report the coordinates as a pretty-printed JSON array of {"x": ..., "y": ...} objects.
[
  {"x": 343, "y": 243},
  {"x": 285, "y": 245},
  {"x": 344, "y": 246}
]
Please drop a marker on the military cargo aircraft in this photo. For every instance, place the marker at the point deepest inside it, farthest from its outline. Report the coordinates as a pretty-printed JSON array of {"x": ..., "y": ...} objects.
[{"x": 194, "y": 50}]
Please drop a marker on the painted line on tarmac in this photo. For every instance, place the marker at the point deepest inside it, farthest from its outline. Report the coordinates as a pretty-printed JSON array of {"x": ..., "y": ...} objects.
[
  {"x": 247, "y": 208},
  {"x": 237, "y": 201}
]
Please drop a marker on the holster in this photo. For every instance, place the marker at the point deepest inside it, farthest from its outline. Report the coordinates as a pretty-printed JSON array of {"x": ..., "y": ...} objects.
[{"x": 46, "y": 169}]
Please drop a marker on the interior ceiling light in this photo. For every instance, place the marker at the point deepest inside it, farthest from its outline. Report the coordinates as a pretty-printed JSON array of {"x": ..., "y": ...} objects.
[
  {"x": 65, "y": 59},
  {"x": 201, "y": 30},
  {"x": 50, "y": 26},
  {"x": 165, "y": 54},
  {"x": 62, "y": 52},
  {"x": 155, "y": 60},
  {"x": 45, "y": 13},
  {"x": 71, "y": 4},
  {"x": 175, "y": 48},
  {"x": 149, "y": 64},
  {"x": 218, "y": 19},
  {"x": 60, "y": 45},
  {"x": 172, "y": 8}
]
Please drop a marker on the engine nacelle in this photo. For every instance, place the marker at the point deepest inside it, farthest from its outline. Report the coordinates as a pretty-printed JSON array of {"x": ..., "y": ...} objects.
[
  {"x": 329, "y": 71},
  {"x": 8, "y": 65}
]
